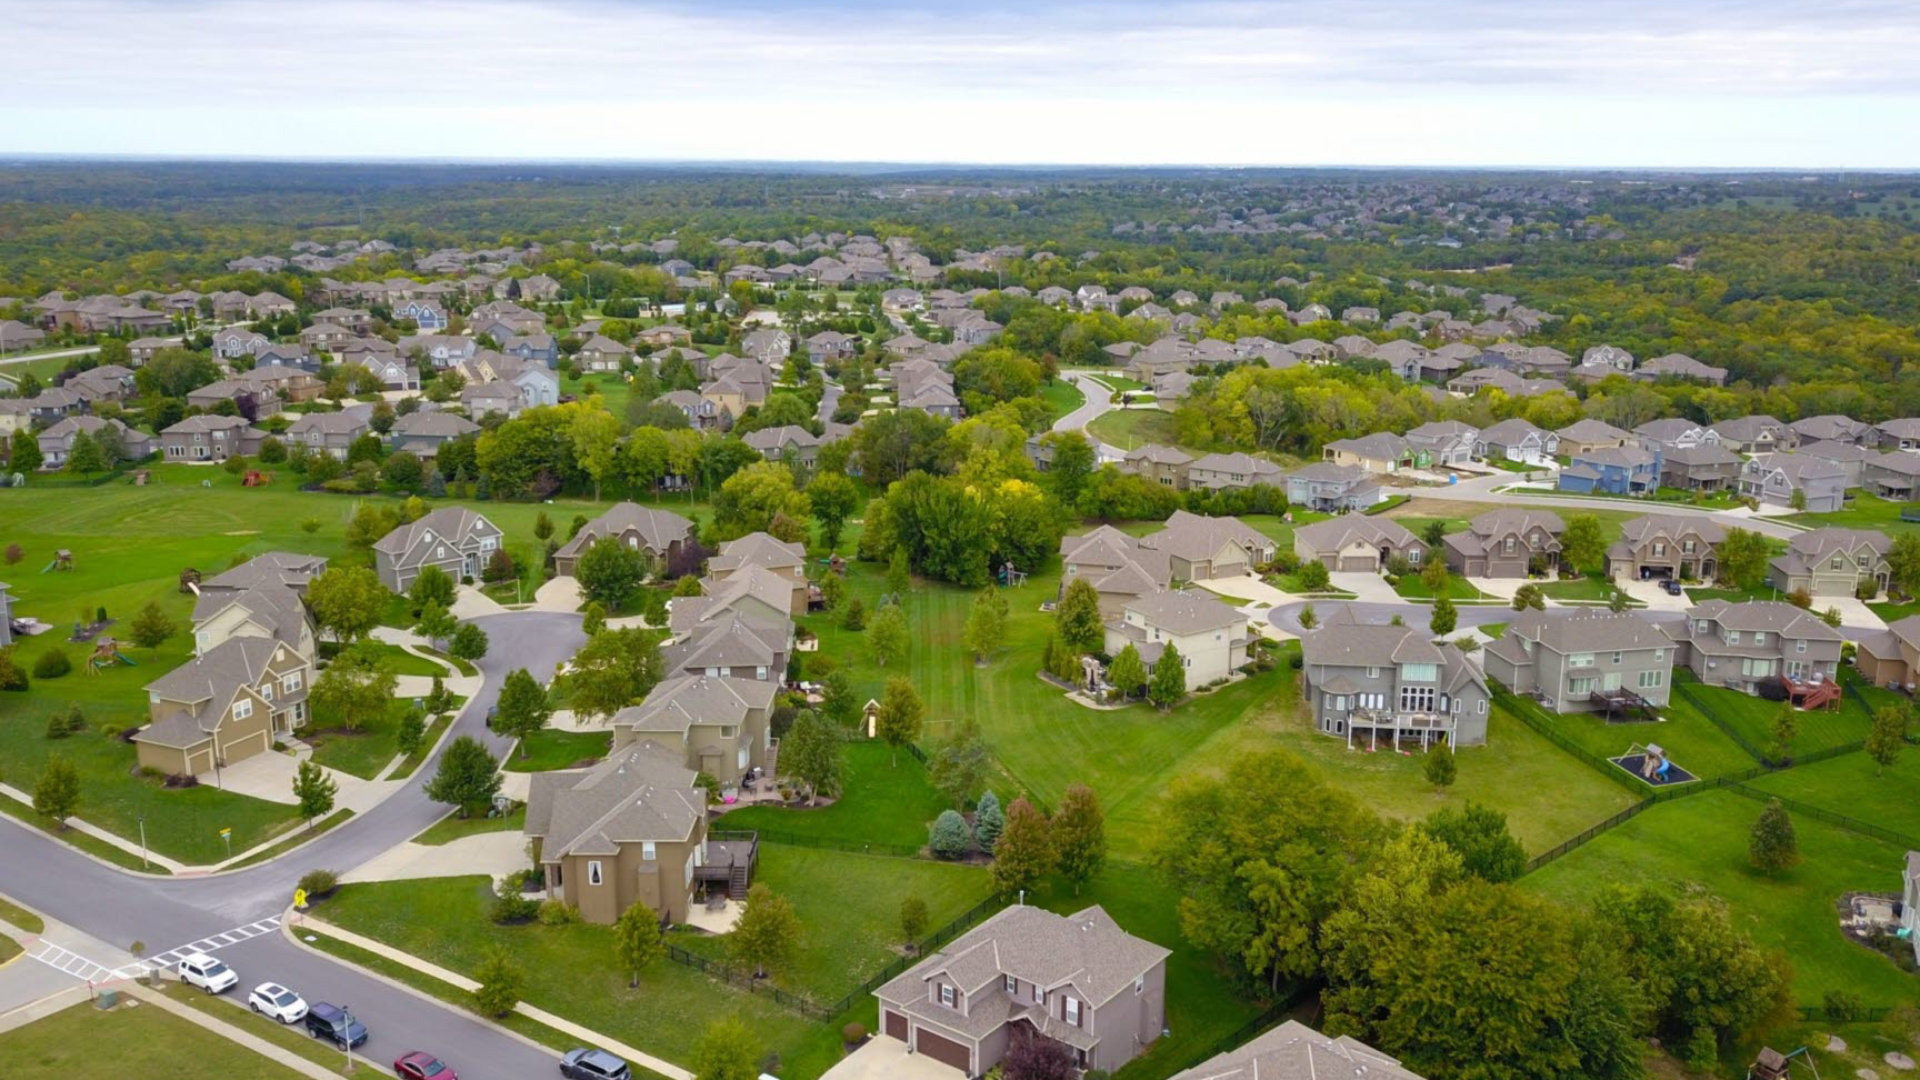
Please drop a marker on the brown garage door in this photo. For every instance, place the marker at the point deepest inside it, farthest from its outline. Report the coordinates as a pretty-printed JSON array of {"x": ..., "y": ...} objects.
[
  {"x": 895, "y": 1025},
  {"x": 944, "y": 1050}
]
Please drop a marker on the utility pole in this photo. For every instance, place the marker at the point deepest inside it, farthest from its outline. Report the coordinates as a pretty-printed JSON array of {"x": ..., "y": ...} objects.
[{"x": 143, "y": 843}]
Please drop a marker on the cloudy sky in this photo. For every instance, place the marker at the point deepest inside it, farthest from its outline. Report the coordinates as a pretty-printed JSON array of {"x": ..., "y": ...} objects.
[{"x": 1416, "y": 82}]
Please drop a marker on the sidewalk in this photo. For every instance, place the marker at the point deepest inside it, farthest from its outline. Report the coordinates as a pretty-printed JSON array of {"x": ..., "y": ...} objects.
[
  {"x": 98, "y": 833},
  {"x": 589, "y": 1037},
  {"x": 255, "y": 1043}
]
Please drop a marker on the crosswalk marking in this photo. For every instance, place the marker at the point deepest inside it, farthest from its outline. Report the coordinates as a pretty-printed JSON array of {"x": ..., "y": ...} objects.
[
  {"x": 163, "y": 960},
  {"x": 70, "y": 963}
]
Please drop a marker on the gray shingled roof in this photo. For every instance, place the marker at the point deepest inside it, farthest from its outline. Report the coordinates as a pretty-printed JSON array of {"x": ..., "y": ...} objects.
[
  {"x": 1294, "y": 1051},
  {"x": 1087, "y": 949},
  {"x": 641, "y": 792}
]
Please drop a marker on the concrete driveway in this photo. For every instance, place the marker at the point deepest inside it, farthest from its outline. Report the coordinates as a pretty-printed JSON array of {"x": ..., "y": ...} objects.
[
  {"x": 561, "y": 594},
  {"x": 471, "y": 603},
  {"x": 495, "y": 853},
  {"x": 1651, "y": 594},
  {"x": 1366, "y": 586},
  {"x": 885, "y": 1058}
]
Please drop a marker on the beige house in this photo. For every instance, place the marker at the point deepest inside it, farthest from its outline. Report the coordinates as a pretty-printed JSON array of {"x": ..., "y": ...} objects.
[
  {"x": 1213, "y": 639},
  {"x": 1117, "y": 565},
  {"x": 260, "y": 598},
  {"x": 1381, "y": 452},
  {"x": 1891, "y": 657},
  {"x": 1161, "y": 464},
  {"x": 661, "y": 534},
  {"x": 1585, "y": 436},
  {"x": 1027, "y": 973},
  {"x": 1234, "y": 472},
  {"x": 1505, "y": 543},
  {"x": 716, "y": 724},
  {"x": 1357, "y": 543},
  {"x": 788, "y": 560},
  {"x": 1661, "y": 546},
  {"x": 630, "y": 829},
  {"x": 1202, "y": 548},
  {"x": 224, "y": 706},
  {"x": 1832, "y": 562}
]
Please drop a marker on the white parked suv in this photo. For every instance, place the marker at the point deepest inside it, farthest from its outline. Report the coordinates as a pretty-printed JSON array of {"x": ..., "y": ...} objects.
[
  {"x": 203, "y": 971},
  {"x": 272, "y": 999}
]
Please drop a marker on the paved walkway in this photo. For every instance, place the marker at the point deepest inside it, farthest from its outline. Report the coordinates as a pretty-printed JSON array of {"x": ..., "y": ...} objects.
[
  {"x": 496, "y": 853},
  {"x": 159, "y": 1000},
  {"x": 98, "y": 833},
  {"x": 471, "y": 603},
  {"x": 586, "y": 1035}
]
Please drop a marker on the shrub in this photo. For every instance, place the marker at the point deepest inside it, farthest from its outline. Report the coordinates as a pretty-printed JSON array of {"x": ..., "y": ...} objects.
[
  {"x": 319, "y": 884},
  {"x": 948, "y": 837},
  {"x": 56, "y": 726},
  {"x": 11, "y": 676},
  {"x": 1843, "y": 1006},
  {"x": 511, "y": 908},
  {"x": 853, "y": 1033},
  {"x": 52, "y": 664},
  {"x": 558, "y": 912}
]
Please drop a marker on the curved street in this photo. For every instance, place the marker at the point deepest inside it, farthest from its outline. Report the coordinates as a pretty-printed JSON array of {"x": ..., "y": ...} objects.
[
  {"x": 119, "y": 907},
  {"x": 1099, "y": 401}
]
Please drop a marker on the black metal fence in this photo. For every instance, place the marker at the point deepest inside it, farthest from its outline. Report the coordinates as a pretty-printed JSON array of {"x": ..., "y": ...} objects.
[
  {"x": 1685, "y": 687},
  {"x": 1840, "y": 821}
]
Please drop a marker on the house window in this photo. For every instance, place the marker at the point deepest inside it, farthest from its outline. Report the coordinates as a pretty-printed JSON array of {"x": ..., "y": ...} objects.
[
  {"x": 1416, "y": 699},
  {"x": 647, "y": 851},
  {"x": 1073, "y": 1011},
  {"x": 760, "y": 672},
  {"x": 1659, "y": 656},
  {"x": 593, "y": 872},
  {"x": 1756, "y": 668},
  {"x": 1140, "y": 984},
  {"x": 1373, "y": 673},
  {"x": 1419, "y": 672},
  {"x": 1579, "y": 687},
  {"x": 1800, "y": 646},
  {"x": 1652, "y": 679},
  {"x": 947, "y": 996},
  {"x": 242, "y": 709},
  {"x": 1507, "y": 545},
  {"x": 266, "y": 691},
  {"x": 1580, "y": 660},
  {"x": 1012, "y": 984},
  {"x": 1759, "y": 637},
  {"x": 1616, "y": 658},
  {"x": 291, "y": 684}
]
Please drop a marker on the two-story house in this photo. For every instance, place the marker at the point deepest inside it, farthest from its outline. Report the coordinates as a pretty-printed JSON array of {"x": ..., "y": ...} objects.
[
  {"x": 209, "y": 439},
  {"x": 631, "y": 829},
  {"x": 1161, "y": 464},
  {"x": 262, "y": 598},
  {"x": 1832, "y": 562},
  {"x": 1898, "y": 434},
  {"x": 716, "y": 724},
  {"x": 453, "y": 538},
  {"x": 1755, "y": 435},
  {"x": 1892, "y": 475},
  {"x": 422, "y": 434},
  {"x": 1705, "y": 466},
  {"x": 1027, "y": 973},
  {"x": 224, "y": 706},
  {"x": 1329, "y": 488},
  {"x": 1852, "y": 458},
  {"x": 1517, "y": 440},
  {"x": 1658, "y": 546},
  {"x": 786, "y": 442},
  {"x": 1213, "y": 639},
  {"x": 1445, "y": 443},
  {"x": 1356, "y": 543},
  {"x": 1233, "y": 472},
  {"x": 121, "y": 442},
  {"x": 1739, "y": 645},
  {"x": 1612, "y": 470},
  {"x": 1294, "y": 1051},
  {"x": 1833, "y": 427},
  {"x": 1117, "y": 565},
  {"x": 1786, "y": 479},
  {"x": 1201, "y": 548},
  {"x": 738, "y": 641},
  {"x": 1583, "y": 436},
  {"x": 788, "y": 560},
  {"x": 1382, "y": 683},
  {"x": 331, "y": 434},
  {"x": 1506, "y": 544},
  {"x": 660, "y": 534},
  {"x": 1381, "y": 452},
  {"x": 1590, "y": 661},
  {"x": 1891, "y": 657}
]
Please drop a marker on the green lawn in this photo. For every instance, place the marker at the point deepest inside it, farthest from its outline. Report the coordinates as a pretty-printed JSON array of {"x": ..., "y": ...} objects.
[
  {"x": 849, "y": 910},
  {"x": 1733, "y": 596},
  {"x": 1062, "y": 397},
  {"x": 1853, "y": 785},
  {"x": 21, "y": 917},
  {"x": 454, "y": 827},
  {"x": 1292, "y": 583},
  {"x": 1119, "y": 384},
  {"x": 144, "y": 1042},
  {"x": 1863, "y": 511},
  {"x": 569, "y": 971},
  {"x": 1580, "y": 588},
  {"x": 548, "y": 749},
  {"x": 365, "y": 752},
  {"x": 1493, "y": 631},
  {"x": 1753, "y": 717},
  {"x": 884, "y": 803},
  {"x": 303, "y": 834},
  {"x": 1130, "y": 429},
  {"x": 1703, "y": 840},
  {"x": 1458, "y": 588},
  {"x": 431, "y": 739},
  {"x": 401, "y": 661},
  {"x": 1692, "y": 741}
]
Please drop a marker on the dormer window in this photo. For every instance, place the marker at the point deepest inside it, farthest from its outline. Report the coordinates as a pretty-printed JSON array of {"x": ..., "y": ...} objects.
[
  {"x": 1012, "y": 984},
  {"x": 1073, "y": 1011},
  {"x": 948, "y": 997}
]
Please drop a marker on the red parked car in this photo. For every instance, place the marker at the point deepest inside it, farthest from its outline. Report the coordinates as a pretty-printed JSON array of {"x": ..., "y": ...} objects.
[{"x": 420, "y": 1065}]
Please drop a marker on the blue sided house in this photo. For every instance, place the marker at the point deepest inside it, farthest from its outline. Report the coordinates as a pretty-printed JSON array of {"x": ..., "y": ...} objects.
[{"x": 1613, "y": 470}]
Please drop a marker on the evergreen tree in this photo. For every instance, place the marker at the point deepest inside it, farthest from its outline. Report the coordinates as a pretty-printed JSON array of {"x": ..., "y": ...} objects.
[
  {"x": 1128, "y": 673},
  {"x": 1444, "y": 619},
  {"x": 947, "y": 838},
  {"x": 988, "y": 821},
  {"x": 1080, "y": 836},
  {"x": 1169, "y": 683},
  {"x": 314, "y": 790},
  {"x": 1772, "y": 846},
  {"x": 1439, "y": 767}
]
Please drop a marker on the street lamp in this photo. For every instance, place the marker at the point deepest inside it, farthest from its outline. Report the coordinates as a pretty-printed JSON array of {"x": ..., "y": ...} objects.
[{"x": 346, "y": 1014}]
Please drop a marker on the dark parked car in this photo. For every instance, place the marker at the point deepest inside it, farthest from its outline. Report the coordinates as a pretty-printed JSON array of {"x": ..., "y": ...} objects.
[
  {"x": 420, "y": 1065},
  {"x": 1672, "y": 587},
  {"x": 593, "y": 1065},
  {"x": 331, "y": 1022}
]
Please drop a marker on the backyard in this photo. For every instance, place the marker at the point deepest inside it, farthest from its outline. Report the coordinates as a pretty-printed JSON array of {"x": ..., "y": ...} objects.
[
  {"x": 887, "y": 800},
  {"x": 1130, "y": 429},
  {"x": 1690, "y": 739}
]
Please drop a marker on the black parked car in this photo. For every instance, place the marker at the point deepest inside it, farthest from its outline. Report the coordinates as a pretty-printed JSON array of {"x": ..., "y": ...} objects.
[
  {"x": 1672, "y": 587},
  {"x": 331, "y": 1022},
  {"x": 593, "y": 1065}
]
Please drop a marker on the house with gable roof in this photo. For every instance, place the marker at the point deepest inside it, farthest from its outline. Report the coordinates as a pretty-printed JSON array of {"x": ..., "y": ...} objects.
[
  {"x": 224, "y": 706},
  {"x": 1505, "y": 544},
  {"x": 1117, "y": 565},
  {"x": 1294, "y": 1051},
  {"x": 1357, "y": 543},
  {"x": 1378, "y": 682},
  {"x": 1739, "y": 645},
  {"x": 453, "y": 538},
  {"x": 1592, "y": 660},
  {"x": 1832, "y": 562},
  {"x": 661, "y": 534},
  {"x": 716, "y": 724}
]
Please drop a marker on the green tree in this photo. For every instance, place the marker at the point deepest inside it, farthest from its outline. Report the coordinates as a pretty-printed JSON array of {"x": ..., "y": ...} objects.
[
  {"x": 1786, "y": 725},
  {"x": 1313, "y": 576},
  {"x": 347, "y": 601},
  {"x": 610, "y": 572},
  {"x": 501, "y": 984},
  {"x": 887, "y": 634},
  {"x": 594, "y": 435},
  {"x": 837, "y": 699},
  {"x": 1169, "y": 683},
  {"x": 913, "y": 921},
  {"x": 812, "y": 752},
  {"x": 57, "y": 794},
  {"x": 1308, "y": 618},
  {"x": 834, "y": 498},
  {"x": 152, "y": 627},
  {"x": 1024, "y": 855},
  {"x": 1583, "y": 545},
  {"x": 431, "y": 586},
  {"x": 986, "y": 623},
  {"x": 468, "y": 643},
  {"x": 1887, "y": 735},
  {"x": 436, "y": 623},
  {"x": 901, "y": 711},
  {"x": 1080, "y": 836},
  {"x": 1073, "y": 464},
  {"x": 1903, "y": 562},
  {"x": 26, "y": 456},
  {"x": 468, "y": 777},
  {"x": 960, "y": 765},
  {"x": 524, "y": 708},
  {"x": 1445, "y": 617},
  {"x": 1435, "y": 576},
  {"x": 85, "y": 456},
  {"x": 1439, "y": 768},
  {"x": 1434, "y": 536},
  {"x": 1128, "y": 673},
  {"x": 988, "y": 821},
  {"x": 1772, "y": 846},
  {"x": 1529, "y": 596},
  {"x": 314, "y": 790},
  {"x": 767, "y": 934},
  {"x": 637, "y": 944},
  {"x": 542, "y": 526},
  {"x": 1479, "y": 836},
  {"x": 1078, "y": 617},
  {"x": 613, "y": 670},
  {"x": 727, "y": 1050},
  {"x": 411, "y": 735},
  {"x": 1743, "y": 558},
  {"x": 899, "y": 576},
  {"x": 759, "y": 498},
  {"x": 947, "y": 838},
  {"x": 357, "y": 687}
]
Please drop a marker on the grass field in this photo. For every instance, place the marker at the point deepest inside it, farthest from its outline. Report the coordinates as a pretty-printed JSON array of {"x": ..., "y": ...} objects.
[
  {"x": 884, "y": 803},
  {"x": 1130, "y": 429},
  {"x": 1062, "y": 397},
  {"x": 365, "y": 752},
  {"x": 21, "y": 917},
  {"x": 1412, "y": 588},
  {"x": 550, "y": 749},
  {"x": 849, "y": 911},
  {"x": 1753, "y": 717},
  {"x": 1853, "y": 785},
  {"x": 1703, "y": 840},
  {"x": 454, "y": 827},
  {"x": 1580, "y": 588},
  {"x": 1690, "y": 739},
  {"x": 140, "y": 1041},
  {"x": 1863, "y": 511}
]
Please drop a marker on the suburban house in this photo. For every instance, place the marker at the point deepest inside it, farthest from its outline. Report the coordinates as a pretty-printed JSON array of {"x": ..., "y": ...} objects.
[
  {"x": 260, "y": 598},
  {"x": 631, "y": 829},
  {"x": 1660, "y": 546},
  {"x": 1201, "y": 548},
  {"x": 1612, "y": 470},
  {"x": 1444, "y": 442},
  {"x": 758, "y": 549},
  {"x": 422, "y": 434},
  {"x": 121, "y": 442},
  {"x": 504, "y": 398},
  {"x": 1294, "y": 1051},
  {"x": 224, "y": 706},
  {"x": 1776, "y": 479},
  {"x": 1380, "y": 452},
  {"x": 1891, "y": 657},
  {"x": 661, "y": 534},
  {"x": 1233, "y": 472},
  {"x": 1892, "y": 475},
  {"x": 1833, "y": 427},
  {"x": 1737, "y": 645},
  {"x": 1705, "y": 466},
  {"x": 1681, "y": 366},
  {"x": 453, "y": 538},
  {"x": 1213, "y": 638},
  {"x": 1117, "y": 565},
  {"x": 1832, "y": 562},
  {"x": 1910, "y": 901},
  {"x": 601, "y": 354},
  {"x": 1330, "y": 488},
  {"x": 1505, "y": 544},
  {"x": 775, "y": 443},
  {"x": 1027, "y": 973},
  {"x": 1673, "y": 433},
  {"x": 250, "y": 399},
  {"x": 1755, "y": 435},
  {"x": 1162, "y": 464},
  {"x": 1584, "y": 435},
  {"x": 1517, "y": 440},
  {"x": 1382, "y": 682},
  {"x": 716, "y": 724},
  {"x": 1900, "y": 434},
  {"x": 736, "y": 641},
  {"x": 1594, "y": 660},
  {"x": 1356, "y": 543},
  {"x": 210, "y": 439},
  {"x": 1852, "y": 458},
  {"x": 331, "y": 433}
]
